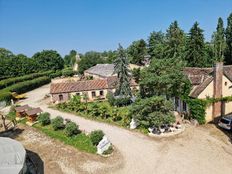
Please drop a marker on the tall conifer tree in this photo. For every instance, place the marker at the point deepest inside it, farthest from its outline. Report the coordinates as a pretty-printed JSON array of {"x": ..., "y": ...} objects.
[
  {"x": 219, "y": 41},
  {"x": 195, "y": 47},
  {"x": 228, "y": 58},
  {"x": 175, "y": 41},
  {"x": 122, "y": 70}
]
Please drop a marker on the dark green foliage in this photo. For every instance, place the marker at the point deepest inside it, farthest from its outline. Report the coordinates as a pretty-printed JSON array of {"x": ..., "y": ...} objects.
[
  {"x": 58, "y": 123},
  {"x": 70, "y": 59},
  {"x": 164, "y": 77},
  {"x": 44, "y": 119},
  {"x": 197, "y": 109},
  {"x": 122, "y": 71},
  {"x": 27, "y": 85},
  {"x": 110, "y": 98},
  {"x": 88, "y": 60},
  {"x": 108, "y": 151},
  {"x": 122, "y": 101},
  {"x": 154, "y": 111},
  {"x": 136, "y": 73},
  {"x": 67, "y": 72},
  {"x": 5, "y": 96},
  {"x": 96, "y": 136},
  {"x": 10, "y": 81},
  {"x": 228, "y": 55},
  {"x": 156, "y": 45},
  {"x": 175, "y": 41},
  {"x": 118, "y": 101},
  {"x": 137, "y": 51},
  {"x": 219, "y": 41},
  {"x": 195, "y": 47},
  {"x": 19, "y": 65},
  {"x": 71, "y": 129},
  {"x": 48, "y": 60}
]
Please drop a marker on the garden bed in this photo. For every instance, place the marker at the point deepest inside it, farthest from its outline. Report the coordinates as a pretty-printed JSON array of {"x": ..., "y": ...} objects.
[{"x": 79, "y": 141}]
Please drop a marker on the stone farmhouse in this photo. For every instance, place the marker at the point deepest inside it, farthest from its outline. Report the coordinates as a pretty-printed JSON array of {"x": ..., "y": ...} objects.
[
  {"x": 101, "y": 71},
  {"x": 215, "y": 82},
  {"x": 95, "y": 89}
]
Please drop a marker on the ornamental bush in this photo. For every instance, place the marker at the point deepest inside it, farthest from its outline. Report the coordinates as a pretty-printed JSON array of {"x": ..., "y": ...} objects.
[
  {"x": 71, "y": 129},
  {"x": 96, "y": 136},
  {"x": 44, "y": 119},
  {"x": 58, "y": 123}
]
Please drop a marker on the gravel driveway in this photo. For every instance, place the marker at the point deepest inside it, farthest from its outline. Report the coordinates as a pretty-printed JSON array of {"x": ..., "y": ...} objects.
[{"x": 204, "y": 149}]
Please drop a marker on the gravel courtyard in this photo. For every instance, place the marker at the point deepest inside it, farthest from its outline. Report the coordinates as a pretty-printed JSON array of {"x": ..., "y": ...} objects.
[{"x": 203, "y": 149}]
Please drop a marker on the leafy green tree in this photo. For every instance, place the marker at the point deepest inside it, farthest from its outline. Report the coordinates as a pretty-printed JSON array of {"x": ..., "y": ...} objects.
[
  {"x": 219, "y": 41},
  {"x": 88, "y": 60},
  {"x": 156, "y": 45},
  {"x": 122, "y": 71},
  {"x": 164, "y": 77},
  {"x": 175, "y": 41},
  {"x": 228, "y": 57},
  {"x": 109, "y": 56},
  {"x": 48, "y": 60},
  {"x": 195, "y": 47},
  {"x": 137, "y": 51},
  {"x": 70, "y": 59},
  {"x": 154, "y": 111}
]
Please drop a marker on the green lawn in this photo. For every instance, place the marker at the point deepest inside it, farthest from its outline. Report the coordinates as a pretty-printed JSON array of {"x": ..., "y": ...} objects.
[{"x": 80, "y": 141}]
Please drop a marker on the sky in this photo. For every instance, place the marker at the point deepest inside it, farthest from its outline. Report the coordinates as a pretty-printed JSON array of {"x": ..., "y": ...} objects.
[{"x": 29, "y": 26}]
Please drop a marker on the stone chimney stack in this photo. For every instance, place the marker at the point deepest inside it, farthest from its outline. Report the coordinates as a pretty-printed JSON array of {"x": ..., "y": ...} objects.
[{"x": 217, "y": 93}]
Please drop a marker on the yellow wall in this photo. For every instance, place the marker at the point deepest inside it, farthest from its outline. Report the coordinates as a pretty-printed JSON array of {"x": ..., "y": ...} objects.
[
  {"x": 209, "y": 113},
  {"x": 208, "y": 92},
  {"x": 226, "y": 91},
  {"x": 89, "y": 94}
]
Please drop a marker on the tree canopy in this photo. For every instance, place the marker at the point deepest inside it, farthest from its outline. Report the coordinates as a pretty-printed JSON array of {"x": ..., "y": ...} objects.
[
  {"x": 122, "y": 71},
  {"x": 195, "y": 47},
  {"x": 48, "y": 60},
  {"x": 154, "y": 111},
  {"x": 228, "y": 57},
  {"x": 164, "y": 77}
]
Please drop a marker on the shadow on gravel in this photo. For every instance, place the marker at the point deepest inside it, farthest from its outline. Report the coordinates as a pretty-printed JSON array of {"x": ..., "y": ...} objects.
[
  {"x": 11, "y": 133},
  {"x": 224, "y": 131},
  {"x": 35, "y": 164}
]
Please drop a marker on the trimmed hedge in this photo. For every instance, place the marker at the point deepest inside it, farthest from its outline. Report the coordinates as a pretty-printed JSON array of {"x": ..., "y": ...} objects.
[
  {"x": 10, "y": 81},
  {"x": 28, "y": 85},
  {"x": 5, "y": 94}
]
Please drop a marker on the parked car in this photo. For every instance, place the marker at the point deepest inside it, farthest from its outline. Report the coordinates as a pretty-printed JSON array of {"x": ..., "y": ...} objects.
[{"x": 226, "y": 122}]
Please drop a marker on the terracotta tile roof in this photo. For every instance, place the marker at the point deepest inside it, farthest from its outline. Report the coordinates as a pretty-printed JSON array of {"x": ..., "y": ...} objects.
[
  {"x": 198, "y": 89},
  {"x": 34, "y": 111},
  {"x": 86, "y": 85},
  {"x": 200, "y": 78},
  {"x": 22, "y": 108},
  {"x": 113, "y": 81},
  {"x": 228, "y": 71}
]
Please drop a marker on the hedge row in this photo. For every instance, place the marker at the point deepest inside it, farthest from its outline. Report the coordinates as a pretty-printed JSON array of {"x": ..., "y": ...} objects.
[
  {"x": 10, "y": 81},
  {"x": 5, "y": 94}
]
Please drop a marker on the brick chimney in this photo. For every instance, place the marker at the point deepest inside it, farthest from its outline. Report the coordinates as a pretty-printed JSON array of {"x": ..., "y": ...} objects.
[{"x": 217, "y": 93}]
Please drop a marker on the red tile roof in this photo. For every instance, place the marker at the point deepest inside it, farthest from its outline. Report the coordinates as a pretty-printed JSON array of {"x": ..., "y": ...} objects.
[
  {"x": 86, "y": 85},
  {"x": 200, "y": 78}
]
